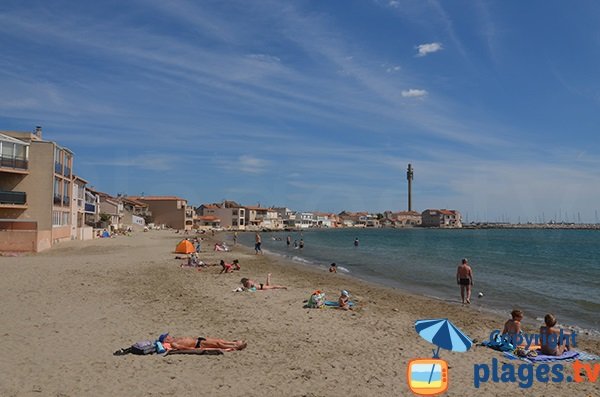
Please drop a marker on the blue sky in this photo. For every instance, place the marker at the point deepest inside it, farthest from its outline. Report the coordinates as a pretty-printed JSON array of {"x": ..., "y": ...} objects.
[{"x": 318, "y": 105}]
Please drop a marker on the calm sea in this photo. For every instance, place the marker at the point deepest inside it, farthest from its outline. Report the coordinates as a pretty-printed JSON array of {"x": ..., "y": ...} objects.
[{"x": 537, "y": 270}]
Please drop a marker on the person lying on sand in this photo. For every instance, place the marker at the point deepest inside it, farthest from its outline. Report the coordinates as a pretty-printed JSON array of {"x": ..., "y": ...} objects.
[
  {"x": 229, "y": 267},
  {"x": 185, "y": 343},
  {"x": 251, "y": 285}
]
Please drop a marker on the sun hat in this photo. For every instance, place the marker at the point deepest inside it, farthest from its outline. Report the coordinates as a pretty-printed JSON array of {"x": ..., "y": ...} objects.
[
  {"x": 345, "y": 293},
  {"x": 162, "y": 337}
]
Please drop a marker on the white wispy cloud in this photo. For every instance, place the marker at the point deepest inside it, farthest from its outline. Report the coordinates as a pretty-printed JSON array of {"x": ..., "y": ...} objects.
[
  {"x": 414, "y": 93},
  {"x": 424, "y": 49},
  {"x": 252, "y": 165},
  {"x": 264, "y": 58},
  {"x": 150, "y": 161}
]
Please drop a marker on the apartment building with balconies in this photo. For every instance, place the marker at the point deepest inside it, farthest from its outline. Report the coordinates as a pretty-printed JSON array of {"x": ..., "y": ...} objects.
[
  {"x": 82, "y": 225},
  {"x": 231, "y": 215},
  {"x": 170, "y": 211},
  {"x": 35, "y": 192}
]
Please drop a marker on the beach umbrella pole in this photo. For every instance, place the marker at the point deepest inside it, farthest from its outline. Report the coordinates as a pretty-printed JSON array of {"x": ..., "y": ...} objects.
[{"x": 435, "y": 355}]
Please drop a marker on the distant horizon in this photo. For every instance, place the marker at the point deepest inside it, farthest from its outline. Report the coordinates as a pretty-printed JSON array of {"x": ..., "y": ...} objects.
[
  {"x": 317, "y": 104},
  {"x": 539, "y": 219}
]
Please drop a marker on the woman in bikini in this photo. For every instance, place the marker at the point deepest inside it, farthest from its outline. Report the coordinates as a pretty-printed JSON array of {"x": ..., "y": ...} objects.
[
  {"x": 251, "y": 285},
  {"x": 186, "y": 343}
]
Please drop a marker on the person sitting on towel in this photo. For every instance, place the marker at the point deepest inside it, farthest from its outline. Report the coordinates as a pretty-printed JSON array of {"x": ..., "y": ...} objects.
[
  {"x": 187, "y": 343},
  {"x": 343, "y": 300},
  {"x": 513, "y": 326},
  {"x": 550, "y": 336}
]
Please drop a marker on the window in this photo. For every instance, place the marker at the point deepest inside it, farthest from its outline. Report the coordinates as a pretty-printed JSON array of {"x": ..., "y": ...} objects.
[
  {"x": 13, "y": 155},
  {"x": 20, "y": 152},
  {"x": 8, "y": 149},
  {"x": 57, "y": 190},
  {"x": 56, "y": 218},
  {"x": 60, "y": 218},
  {"x": 66, "y": 195}
]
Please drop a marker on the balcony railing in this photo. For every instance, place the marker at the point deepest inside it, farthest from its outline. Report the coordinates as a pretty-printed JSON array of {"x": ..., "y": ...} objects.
[
  {"x": 19, "y": 198},
  {"x": 14, "y": 163}
]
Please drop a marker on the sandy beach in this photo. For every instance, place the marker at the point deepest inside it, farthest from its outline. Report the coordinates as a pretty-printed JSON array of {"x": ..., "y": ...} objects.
[{"x": 65, "y": 311}]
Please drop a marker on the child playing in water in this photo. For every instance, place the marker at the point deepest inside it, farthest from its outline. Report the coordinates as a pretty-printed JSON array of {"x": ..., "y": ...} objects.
[{"x": 333, "y": 268}]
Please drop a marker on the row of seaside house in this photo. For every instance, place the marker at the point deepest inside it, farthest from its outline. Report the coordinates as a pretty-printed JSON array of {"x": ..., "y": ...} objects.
[
  {"x": 42, "y": 202},
  {"x": 231, "y": 215}
]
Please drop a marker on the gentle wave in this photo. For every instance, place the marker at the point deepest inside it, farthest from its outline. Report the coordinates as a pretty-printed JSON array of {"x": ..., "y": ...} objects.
[{"x": 538, "y": 271}]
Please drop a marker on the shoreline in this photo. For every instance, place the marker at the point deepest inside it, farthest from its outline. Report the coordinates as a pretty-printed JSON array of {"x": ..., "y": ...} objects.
[
  {"x": 419, "y": 290},
  {"x": 82, "y": 301},
  {"x": 490, "y": 313}
]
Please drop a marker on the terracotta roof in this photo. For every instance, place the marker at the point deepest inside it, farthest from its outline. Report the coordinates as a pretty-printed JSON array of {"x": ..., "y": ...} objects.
[
  {"x": 250, "y": 207},
  {"x": 156, "y": 198},
  {"x": 208, "y": 218},
  {"x": 134, "y": 201},
  {"x": 447, "y": 212},
  {"x": 102, "y": 194}
]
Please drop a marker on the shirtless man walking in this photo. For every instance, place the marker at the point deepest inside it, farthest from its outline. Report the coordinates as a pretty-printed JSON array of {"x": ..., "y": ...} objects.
[
  {"x": 258, "y": 242},
  {"x": 464, "y": 278}
]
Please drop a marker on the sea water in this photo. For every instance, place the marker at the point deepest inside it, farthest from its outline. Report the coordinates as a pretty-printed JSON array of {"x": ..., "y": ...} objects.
[{"x": 537, "y": 270}]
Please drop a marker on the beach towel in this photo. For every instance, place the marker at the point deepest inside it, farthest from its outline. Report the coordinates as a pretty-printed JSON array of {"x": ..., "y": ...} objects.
[
  {"x": 567, "y": 356},
  {"x": 336, "y": 304},
  {"x": 499, "y": 343},
  {"x": 202, "y": 352}
]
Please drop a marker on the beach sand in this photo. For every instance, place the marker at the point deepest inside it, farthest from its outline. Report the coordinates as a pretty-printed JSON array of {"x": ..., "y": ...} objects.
[{"x": 65, "y": 311}]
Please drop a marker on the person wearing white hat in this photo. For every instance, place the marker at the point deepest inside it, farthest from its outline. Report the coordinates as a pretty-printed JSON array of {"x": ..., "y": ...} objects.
[{"x": 343, "y": 300}]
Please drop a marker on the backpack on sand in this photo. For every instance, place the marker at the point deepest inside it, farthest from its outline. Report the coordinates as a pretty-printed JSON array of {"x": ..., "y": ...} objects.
[
  {"x": 140, "y": 348},
  {"x": 143, "y": 347}
]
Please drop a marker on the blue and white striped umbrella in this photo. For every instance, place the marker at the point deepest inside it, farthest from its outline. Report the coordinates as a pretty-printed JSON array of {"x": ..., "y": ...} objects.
[{"x": 442, "y": 333}]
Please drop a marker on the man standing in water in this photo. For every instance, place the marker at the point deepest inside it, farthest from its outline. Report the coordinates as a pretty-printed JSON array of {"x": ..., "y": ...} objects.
[
  {"x": 258, "y": 242},
  {"x": 356, "y": 242},
  {"x": 464, "y": 278}
]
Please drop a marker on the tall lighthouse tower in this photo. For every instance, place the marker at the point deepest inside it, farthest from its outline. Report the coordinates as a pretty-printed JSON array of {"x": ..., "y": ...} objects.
[{"x": 409, "y": 178}]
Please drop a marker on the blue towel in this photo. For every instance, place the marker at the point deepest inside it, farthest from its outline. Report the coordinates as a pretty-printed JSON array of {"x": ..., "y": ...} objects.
[
  {"x": 336, "y": 304},
  {"x": 567, "y": 356}
]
